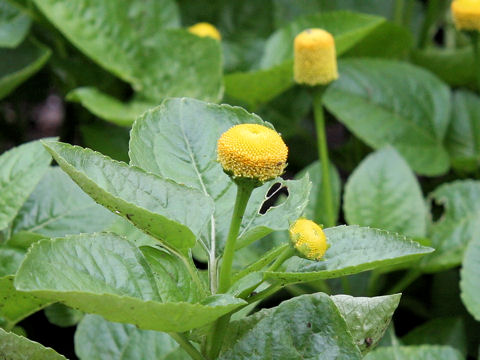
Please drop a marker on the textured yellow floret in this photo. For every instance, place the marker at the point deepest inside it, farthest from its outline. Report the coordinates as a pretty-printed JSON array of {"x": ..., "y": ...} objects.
[
  {"x": 205, "y": 29},
  {"x": 252, "y": 151},
  {"x": 466, "y": 14},
  {"x": 315, "y": 58},
  {"x": 309, "y": 239}
]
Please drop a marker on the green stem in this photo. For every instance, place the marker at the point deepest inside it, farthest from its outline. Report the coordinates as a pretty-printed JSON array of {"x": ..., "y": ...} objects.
[
  {"x": 187, "y": 346},
  {"x": 407, "y": 17},
  {"x": 244, "y": 191},
  {"x": 405, "y": 281},
  {"x": 398, "y": 12},
  {"x": 346, "y": 285},
  {"x": 323, "y": 156},
  {"x": 272, "y": 289},
  {"x": 430, "y": 17},
  {"x": 476, "y": 53}
]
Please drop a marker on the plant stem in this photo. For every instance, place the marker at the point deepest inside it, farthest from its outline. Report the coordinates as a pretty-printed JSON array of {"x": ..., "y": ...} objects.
[
  {"x": 407, "y": 16},
  {"x": 323, "y": 156},
  {"x": 187, "y": 346},
  {"x": 429, "y": 20},
  {"x": 398, "y": 12},
  {"x": 243, "y": 194},
  {"x": 405, "y": 281},
  {"x": 476, "y": 54},
  {"x": 265, "y": 293}
]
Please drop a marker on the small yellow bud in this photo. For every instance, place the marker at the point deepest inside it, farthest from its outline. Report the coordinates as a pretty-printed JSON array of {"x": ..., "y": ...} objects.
[
  {"x": 466, "y": 14},
  {"x": 252, "y": 151},
  {"x": 309, "y": 239},
  {"x": 315, "y": 58},
  {"x": 204, "y": 29}
]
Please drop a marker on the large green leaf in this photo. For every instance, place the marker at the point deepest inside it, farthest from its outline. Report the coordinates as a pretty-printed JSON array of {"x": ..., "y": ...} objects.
[
  {"x": 306, "y": 327},
  {"x": 384, "y": 193},
  {"x": 470, "y": 273},
  {"x": 66, "y": 210},
  {"x": 422, "y": 352},
  {"x": 459, "y": 224},
  {"x": 440, "y": 331},
  {"x": 463, "y": 137},
  {"x": 107, "y": 107},
  {"x": 388, "y": 102},
  {"x": 178, "y": 140},
  {"x": 108, "y": 275},
  {"x": 353, "y": 249},
  {"x": 17, "y": 305},
  {"x": 98, "y": 339},
  {"x": 17, "y": 65},
  {"x": 347, "y": 28},
  {"x": 173, "y": 213},
  {"x": 315, "y": 172},
  {"x": 14, "y": 25},
  {"x": 367, "y": 318},
  {"x": 129, "y": 39},
  {"x": 21, "y": 168},
  {"x": 15, "y": 347}
]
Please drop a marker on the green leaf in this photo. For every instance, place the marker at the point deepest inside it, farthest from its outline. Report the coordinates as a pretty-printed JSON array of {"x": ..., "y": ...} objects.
[
  {"x": 129, "y": 39},
  {"x": 63, "y": 316},
  {"x": 10, "y": 260},
  {"x": 173, "y": 213},
  {"x": 387, "y": 102},
  {"x": 454, "y": 66},
  {"x": 178, "y": 140},
  {"x": 423, "y": 352},
  {"x": 15, "y": 347},
  {"x": 367, "y": 318},
  {"x": 469, "y": 285},
  {"x": 459, "y": 224},
  {"x": 21, "y": 168},
  {"x": 17, "y": 305},
  {"x": 306, "y": 327},
  {"x": 315, "y": 172},
  {"x": 98, "y": 339},
  {"x": 133, "y": 234},
  {"x": 439, "y": 331},
  {"x": 14, "y": 25},
  {"x": 463, "y": 137},
  {"x": 256, "y": 225},
  {"x": 107, "y": 107},
  {"x": 66, "y": 210},
  {"x": 347, "y": 28},
  {"x": 17, "y": 65},
  {"x": 260, "y": 86},
  {"x": 353, "y": 249},
  {"x": 384, "y": 193},
  {"x": 388, "y": 40},
  {"x": 173, "y": 280},
  {"x": 107, "y": 275}
]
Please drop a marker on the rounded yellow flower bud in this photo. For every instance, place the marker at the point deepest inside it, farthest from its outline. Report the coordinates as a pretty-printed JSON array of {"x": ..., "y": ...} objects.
[
  {"x": 466, "y": 14},
  {"x": 204, "y": 29},
  {"x": 315, "y": 59},
  {"x": 252, "y": 151},
  {"x": 309, "y": 239}
]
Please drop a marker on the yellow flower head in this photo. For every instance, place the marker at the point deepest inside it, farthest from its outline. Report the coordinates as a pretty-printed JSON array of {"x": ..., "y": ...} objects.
[
  {"x": 204, "y": 29},
  {"x": 315, "y": 58},
  {"x": 252, "y": 151},
  {"x": 466, "y": 14},
  {"x": 309, "y": 239}
]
